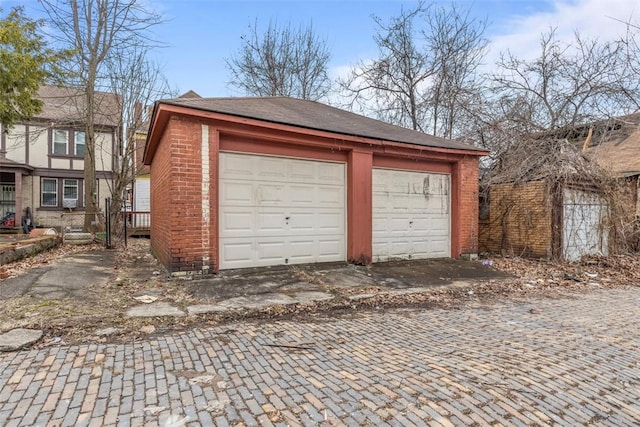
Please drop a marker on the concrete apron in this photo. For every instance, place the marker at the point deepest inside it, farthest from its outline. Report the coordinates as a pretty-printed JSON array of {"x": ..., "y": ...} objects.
[
  {"x": 243, "y": 290},
  {"x": 259, "y": 288}
]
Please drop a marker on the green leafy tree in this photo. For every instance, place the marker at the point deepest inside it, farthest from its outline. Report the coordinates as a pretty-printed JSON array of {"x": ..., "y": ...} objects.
[{"x": 25, "y": 63}]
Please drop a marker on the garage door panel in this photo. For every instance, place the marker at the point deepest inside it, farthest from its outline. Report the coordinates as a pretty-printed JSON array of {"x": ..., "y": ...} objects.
[
  {"x": 439, "y": 227},
  {"x": 236, "y": 193},
  {"x": 425, "y": 248},
  {"x": 291, "y": 211},
  {"x": 315, "y": 222},
  {"x": 398, "y": 248},
  {"x": 302, "y": 222},
  {"x": 400, "y": 202},
  {"x": 269, "y": 194},
  {"x": 379, "y": 224},
  {"x": 410, "y": 215},
  {"x": 329, "y": 248},
  {"x": 302, "y": 171},
  {"x": 399, "y": 224},
  {"x": 237, "y": 166},
  {"x": 270, "y": 222},
  {"x": 380, "y": 251},
  {"x": 330, "y": 223},
  {"x": 421, "y": 225},
  {"x": 421, "y": 248},
  {"x": 237, "y": 253},
  {"x": 302, "y": 249},
  {"x": 237, "y": 223},
  {"x": 269, "y": 250},
  {"x": 330, "y": 196},
  {"x": 330, "y": 173},
  {"x": 302, "y": 195},
  {"x": 270, "y": 168}
]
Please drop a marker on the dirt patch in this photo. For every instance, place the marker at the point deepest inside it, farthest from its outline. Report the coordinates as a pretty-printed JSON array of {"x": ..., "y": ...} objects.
[{"x": 136, "y": 274}]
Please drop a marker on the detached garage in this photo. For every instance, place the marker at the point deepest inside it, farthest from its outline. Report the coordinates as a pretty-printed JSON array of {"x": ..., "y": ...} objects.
[{"x": 247, "y": 182}]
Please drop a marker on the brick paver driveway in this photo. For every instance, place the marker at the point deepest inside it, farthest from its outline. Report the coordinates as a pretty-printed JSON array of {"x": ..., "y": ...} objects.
[{"x": 575, "y": 362}]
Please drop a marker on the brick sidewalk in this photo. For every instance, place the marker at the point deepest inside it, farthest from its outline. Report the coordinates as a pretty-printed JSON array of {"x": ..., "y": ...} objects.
[{"x": 576, "y": 362}]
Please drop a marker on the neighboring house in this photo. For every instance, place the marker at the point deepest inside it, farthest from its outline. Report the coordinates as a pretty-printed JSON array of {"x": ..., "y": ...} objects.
[
  {"x": 42, "y": 160},
  {"x": 244, "y": 182},
  {"x": 140, "y": 200},
  {"x": 615, "y": 144},
  {"x": 544, "y": 200}
]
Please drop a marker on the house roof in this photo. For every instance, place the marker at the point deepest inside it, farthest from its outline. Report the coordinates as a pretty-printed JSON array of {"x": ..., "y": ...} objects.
[
  {"x": 190, "y": 94},
  {"x": 66, "y": 106},
  {"x": 8, "y": 164},
  {"x": 317, "y": 116},
  {"x": 619, "y": 146}
]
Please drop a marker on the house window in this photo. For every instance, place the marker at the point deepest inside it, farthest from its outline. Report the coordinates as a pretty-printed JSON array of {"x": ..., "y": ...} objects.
[
  {"x": 79, "y": 136},
  {"x": 70, "y": 193},
  {"x": 49, "y": 192},
  {"x": 61, "y": 193},
  {"x": 60, "y": 140}
]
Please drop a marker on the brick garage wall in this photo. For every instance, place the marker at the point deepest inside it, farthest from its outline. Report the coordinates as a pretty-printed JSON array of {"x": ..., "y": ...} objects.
[
  {"x": 162, "y": 192},
  {"x": 520, "y": 220},
  {"x": 178, "y": 238},
  {"x": 468, "y": 169}
]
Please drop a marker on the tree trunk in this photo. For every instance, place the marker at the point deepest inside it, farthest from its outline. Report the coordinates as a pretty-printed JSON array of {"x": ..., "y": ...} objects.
[{"x": 91, "y": 223}]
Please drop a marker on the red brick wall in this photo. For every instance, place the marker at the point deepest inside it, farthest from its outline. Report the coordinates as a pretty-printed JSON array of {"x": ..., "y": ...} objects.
[
  {"x": 161, "y": 194},
  {"x": 177, "y": 235},
  {"x": 468, "y": 205}
]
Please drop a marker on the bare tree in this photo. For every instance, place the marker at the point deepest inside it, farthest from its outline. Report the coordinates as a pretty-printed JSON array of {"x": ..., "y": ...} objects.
[
  {"x": 426, "y": 71},
  {"x": 96, "y": 30},
  {"x": 138, "y": 82},
  {"x": 567, "y": 84},
  {"x": 282, "y": 61},
  {"x": 393, "y": 86},
  {"x": 631, "y": 45},
  {"x": 458, "y": 45}
]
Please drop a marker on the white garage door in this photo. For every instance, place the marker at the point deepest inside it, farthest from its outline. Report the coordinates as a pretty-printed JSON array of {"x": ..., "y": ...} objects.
[
  {"x": 276, "y": 210},
  {"x": 411, "y": 216},
  {"x": 584, "y": 231}
]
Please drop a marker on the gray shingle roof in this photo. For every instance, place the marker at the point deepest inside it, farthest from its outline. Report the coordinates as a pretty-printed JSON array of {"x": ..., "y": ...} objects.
[
  {"x": 66, "y": 106},
  {"x": 317, "y": 116}
]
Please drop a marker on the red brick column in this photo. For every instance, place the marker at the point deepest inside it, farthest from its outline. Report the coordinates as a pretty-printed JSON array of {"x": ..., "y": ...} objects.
[
  {"x": 464, "y": 207},
  {"x": 359, "y": 207}
]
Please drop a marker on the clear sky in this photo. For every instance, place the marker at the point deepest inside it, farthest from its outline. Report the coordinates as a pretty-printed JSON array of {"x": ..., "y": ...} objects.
[{"x": 200, "y": 34}]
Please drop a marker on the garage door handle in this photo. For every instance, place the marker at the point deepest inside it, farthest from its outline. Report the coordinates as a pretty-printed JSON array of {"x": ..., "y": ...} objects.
[
  {"x": 287, "y": 218},
  {"x": 410, "y": 222}
]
